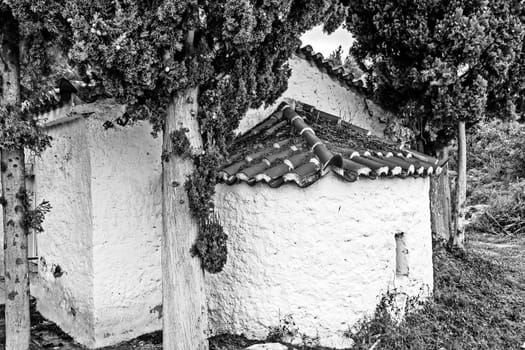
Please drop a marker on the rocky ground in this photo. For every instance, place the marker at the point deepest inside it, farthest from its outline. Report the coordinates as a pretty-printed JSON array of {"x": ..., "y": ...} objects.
[{"x": 506, "y": 252}]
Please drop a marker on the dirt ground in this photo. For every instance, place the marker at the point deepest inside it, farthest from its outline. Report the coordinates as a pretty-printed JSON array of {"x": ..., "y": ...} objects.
[{"x": 505, "y": 251}]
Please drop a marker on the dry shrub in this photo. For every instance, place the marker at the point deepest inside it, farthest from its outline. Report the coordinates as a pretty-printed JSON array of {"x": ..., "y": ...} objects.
[{"x": 506, "y": 213}]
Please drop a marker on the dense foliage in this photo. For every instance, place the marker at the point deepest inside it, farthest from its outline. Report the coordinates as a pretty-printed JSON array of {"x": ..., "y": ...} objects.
[
  {"x": 18, "y": 127},
  {"x": 138, "y": 52},
  {"x": 497, "y": 150},
  {"x": 507, "y": 100},
  {"x": 44, "y": 38},
  {"x": 437, "y": 62},
  {"x": 496, "y": 186}
]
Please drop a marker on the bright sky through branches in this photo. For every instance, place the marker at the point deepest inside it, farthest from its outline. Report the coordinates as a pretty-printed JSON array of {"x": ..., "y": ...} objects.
[{"x": 326, "y": 44}]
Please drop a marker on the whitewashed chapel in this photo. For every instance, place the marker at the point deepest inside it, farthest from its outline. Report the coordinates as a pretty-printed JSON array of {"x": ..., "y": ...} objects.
[{"x": 324, "y": 217}]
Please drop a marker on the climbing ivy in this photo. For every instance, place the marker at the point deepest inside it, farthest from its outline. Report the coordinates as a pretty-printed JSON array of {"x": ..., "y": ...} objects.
[
  {"x": 33, "y": 218},
  {"x": 211, "y": 244},
  {"x": 180, "y": 145}
]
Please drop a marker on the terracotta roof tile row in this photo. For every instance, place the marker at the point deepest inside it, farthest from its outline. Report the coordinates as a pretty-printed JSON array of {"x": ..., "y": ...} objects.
[
  {"x": 352, "y": 80},
  {"x": 303, "y": 144}
]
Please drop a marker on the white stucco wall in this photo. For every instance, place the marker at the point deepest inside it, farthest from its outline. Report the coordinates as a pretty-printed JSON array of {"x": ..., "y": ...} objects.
[
  {"x": 127, "y": 227},
  {"x": 310, "y": 85},
  {"x": 324, "y": 255},
  {"x": 104, "y": 230},
  {"x": 64, "y": 179}
]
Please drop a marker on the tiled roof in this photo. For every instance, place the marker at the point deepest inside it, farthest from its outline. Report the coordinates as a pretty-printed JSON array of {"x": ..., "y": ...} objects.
[
  {"x": 351, "y": 79},
  {"x": 301, "y": 145}
]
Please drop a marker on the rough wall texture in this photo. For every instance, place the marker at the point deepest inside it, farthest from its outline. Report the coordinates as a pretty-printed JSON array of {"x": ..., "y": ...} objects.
[
  {"x": 310, "y": 85},
  {"x": 103, "y": 230},
  {"x": 324, "y": 255},
  {"x": 64, "y": 285},
  {"x": 126, "y": 194}
]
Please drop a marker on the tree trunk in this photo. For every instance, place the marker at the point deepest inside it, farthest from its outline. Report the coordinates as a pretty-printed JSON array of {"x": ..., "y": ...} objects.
[
  {"x": 440, "y": 202},
  {"x": 458, "y": 240},
  {"x": 15, "y": 257},
  {"x": 185, "y": 314},
  {"x": 13, "y": 191}
]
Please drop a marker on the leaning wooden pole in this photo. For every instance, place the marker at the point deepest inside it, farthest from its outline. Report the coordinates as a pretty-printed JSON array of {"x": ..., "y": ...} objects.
[
  {"x": 17, "y": 321},
  {"x": 458, "y": 239},
  {"x": 185, "y": 318}
]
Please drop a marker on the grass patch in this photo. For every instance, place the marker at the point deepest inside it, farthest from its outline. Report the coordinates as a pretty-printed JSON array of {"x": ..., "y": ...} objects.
[{"x": 476, "y": 306}]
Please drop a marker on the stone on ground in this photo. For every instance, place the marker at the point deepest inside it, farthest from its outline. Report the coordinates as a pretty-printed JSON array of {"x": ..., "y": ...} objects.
[{"x": 268, "y": 346}]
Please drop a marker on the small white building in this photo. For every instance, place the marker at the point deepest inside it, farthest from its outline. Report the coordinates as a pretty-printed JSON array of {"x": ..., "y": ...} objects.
[{"x": 323, "y": 218}]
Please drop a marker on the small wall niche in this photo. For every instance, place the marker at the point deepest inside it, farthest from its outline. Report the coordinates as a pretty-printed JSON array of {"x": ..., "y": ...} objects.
[{"x": 401, "y": 255}]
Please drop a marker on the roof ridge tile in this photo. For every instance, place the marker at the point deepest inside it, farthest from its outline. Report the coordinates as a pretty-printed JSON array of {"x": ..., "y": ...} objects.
[{"x": 346, "y": 78}]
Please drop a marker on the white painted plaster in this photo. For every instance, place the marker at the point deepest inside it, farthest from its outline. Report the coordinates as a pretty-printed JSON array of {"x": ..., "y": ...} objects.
[
  {"x": 310, "y": 85},
  {"x": 104, "y": 230},
  {"x": 63, "y": 177},
  {"x": 324, "y": 255},
  {"x": 126, "y": 193}
]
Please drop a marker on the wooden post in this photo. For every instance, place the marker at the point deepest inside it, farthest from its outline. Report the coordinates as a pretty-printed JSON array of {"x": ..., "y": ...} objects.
[
  {"x": 458, "y": 240},
  {"x": 13, "y": 191},
  {"x": 185, "y": 314},
  {"x": 440, "y": 201}
]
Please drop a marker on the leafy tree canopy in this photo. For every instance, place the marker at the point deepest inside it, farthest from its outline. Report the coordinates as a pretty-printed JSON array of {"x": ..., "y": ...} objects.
[
  {"x": 135, "y": 50},
  {"x": 143, "y": 52},
  {"x": 437, "y": 62}
]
